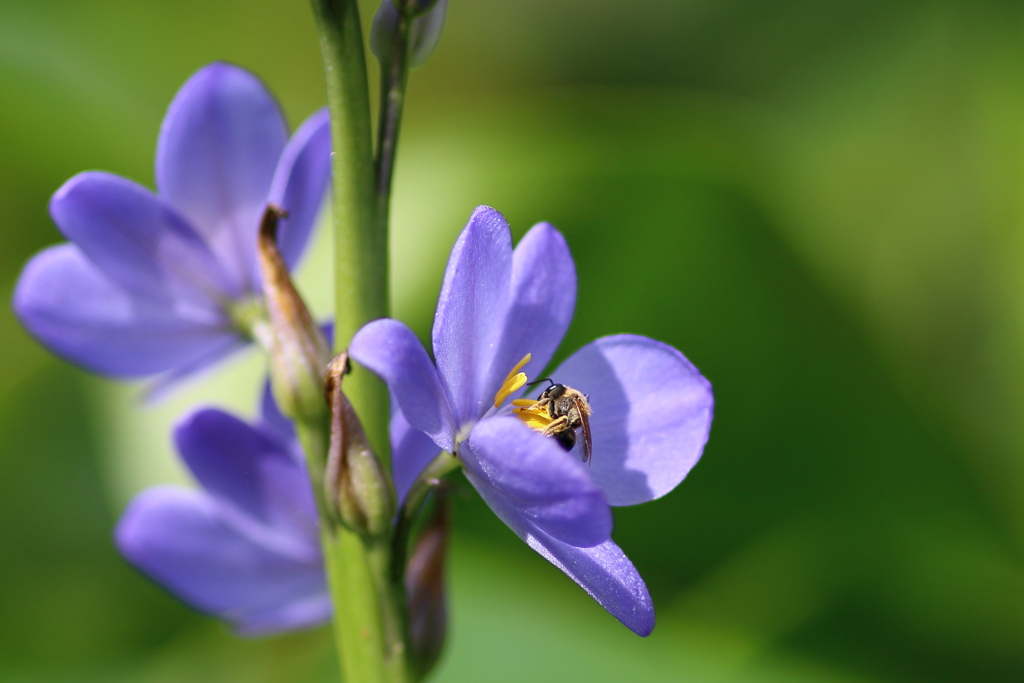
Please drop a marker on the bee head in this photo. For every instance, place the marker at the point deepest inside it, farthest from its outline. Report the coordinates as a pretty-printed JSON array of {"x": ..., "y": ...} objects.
[{"x": 552, "y": 392}]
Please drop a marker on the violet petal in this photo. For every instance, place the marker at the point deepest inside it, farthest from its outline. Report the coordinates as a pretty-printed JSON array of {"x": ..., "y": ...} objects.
[
  {"x": 139, "y": 241},
  {"x": 602, "y": 570},
  {"x": 392, "y": 351},
  {"x": 217, "y": 153},
  {"x": 473, "y": 303},
  {"x": 651, "y": 416},
  {"x": 79, "y": 314},
  {"x": 299, "y": 183},
  {"x": 605, "y": 573},
  {"x": 411, "y": 451},
  {"x": 180, "y": 539},
  {"x": 263, "y": 491},
  {"x": 535, "y": 479},
  {"x": 542, "y": 303}
]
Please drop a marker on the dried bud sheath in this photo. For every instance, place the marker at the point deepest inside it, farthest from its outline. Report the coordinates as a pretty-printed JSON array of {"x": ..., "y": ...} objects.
[
  {"x": 298, "y": 351},
  {"x": 358, "y": 490}
]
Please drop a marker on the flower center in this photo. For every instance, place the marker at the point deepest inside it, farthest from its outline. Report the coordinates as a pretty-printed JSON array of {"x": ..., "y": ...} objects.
[{"x": 532, "y": 412}]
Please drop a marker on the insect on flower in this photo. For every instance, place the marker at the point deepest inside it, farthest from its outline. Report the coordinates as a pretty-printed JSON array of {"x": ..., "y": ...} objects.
[{"x": 558, "y": 412}]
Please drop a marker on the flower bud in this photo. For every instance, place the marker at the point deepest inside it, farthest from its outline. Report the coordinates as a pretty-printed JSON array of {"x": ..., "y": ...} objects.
[
  {"x": 427, "y": 20},
  {"x": 298, "y": 350},
  {"x": 425, "y": 592},
  {"x": 358, "y": 490}
]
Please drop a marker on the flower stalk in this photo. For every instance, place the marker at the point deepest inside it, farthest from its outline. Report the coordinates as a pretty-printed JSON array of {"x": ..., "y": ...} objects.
[
  {"x": 360, "y": 239},
  {"x": 425, "y": 587},
  {"x": 404, "y": 34},
  {"x": 368, "y": 607},
  {"x": 394, "y": 76},
  {"x": 432, "y": 475}
]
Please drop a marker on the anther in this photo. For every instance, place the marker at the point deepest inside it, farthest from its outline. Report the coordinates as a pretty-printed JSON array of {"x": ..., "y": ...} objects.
[{"x": 514, "y": 381}]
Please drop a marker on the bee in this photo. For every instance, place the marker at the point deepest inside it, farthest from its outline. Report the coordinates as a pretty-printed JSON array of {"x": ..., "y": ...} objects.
[{"x": 569, "y": 410}]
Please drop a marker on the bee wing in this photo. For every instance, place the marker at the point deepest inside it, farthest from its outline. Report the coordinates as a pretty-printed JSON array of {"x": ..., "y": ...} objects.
[{"x": 587, "y": 440}]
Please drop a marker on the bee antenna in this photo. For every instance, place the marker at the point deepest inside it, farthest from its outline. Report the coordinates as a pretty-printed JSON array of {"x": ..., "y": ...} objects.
[{"x": 550, "y": 381}]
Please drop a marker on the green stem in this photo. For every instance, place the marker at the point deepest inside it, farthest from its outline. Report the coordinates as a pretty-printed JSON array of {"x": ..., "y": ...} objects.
[
  {"x": 314, "y": 439},
  {"x": 360, "y": 239},
  {"x": 368, "y": 606}
]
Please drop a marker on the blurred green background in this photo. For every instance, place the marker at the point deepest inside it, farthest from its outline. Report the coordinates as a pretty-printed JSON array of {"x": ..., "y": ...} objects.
[{"x": 821, "y": 203}]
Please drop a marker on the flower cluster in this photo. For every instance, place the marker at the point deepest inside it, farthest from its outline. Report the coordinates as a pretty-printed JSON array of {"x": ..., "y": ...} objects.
[
  {"x": 166, "y": 283},
  {"x": 161, "y": 284}
]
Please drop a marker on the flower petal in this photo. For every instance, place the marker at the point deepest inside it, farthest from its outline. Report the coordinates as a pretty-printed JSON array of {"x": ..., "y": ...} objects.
[
  {"x": 262, "y": 490},
  {"x": 602, "y": 570},
  {"x": 392, "y": 351},
  {"x": 521, "y": 473},
  {"x": 542, "y": 303},
  {"x": 299, "y": 183},
  {"x": 139, "y": 241},
  {"x": 651, "y": 417},
  {"x": 411, "y": 451},
  {"x": 472, "y": 306},
  {"x": 605, "y": 573},
  {"x": 302, "y": 612},
  {"x": 180, "y": 539},
  {"x": 79, "y": 314},
  {"x": 218, "y": 149}
]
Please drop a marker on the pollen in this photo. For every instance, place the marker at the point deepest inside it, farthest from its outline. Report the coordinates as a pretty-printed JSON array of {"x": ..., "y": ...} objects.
[
  {"x": 514, "y": 381},
  {"x": 533, "y": 414},
  {"x": 530, "y": 411}
]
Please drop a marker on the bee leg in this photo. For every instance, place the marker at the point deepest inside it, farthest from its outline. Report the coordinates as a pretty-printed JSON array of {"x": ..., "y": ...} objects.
[{"x": 558, "y": 425}]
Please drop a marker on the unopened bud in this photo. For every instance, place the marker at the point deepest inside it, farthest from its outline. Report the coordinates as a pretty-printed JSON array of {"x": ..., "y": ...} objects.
[
  {"x": 298, "y": 350},
  {"x": 358, "y": 490},
  {"x": 425, "y": 590},
  {"x": 426, "y": 19}
]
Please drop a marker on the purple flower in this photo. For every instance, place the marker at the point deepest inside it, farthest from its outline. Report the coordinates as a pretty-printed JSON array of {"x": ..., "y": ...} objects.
[
  {"x": 163, "y": 282},
  {"x": 246, "y": 547},
  {"x": 501, "y": 312}
]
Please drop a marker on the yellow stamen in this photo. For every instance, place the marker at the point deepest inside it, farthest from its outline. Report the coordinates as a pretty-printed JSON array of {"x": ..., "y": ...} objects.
[
  {"x": 523, "y": 402},
  {"x": 512, "y": 384},
  {"x": 519, "y": 366},
  {"x": 514, "y": 381}
]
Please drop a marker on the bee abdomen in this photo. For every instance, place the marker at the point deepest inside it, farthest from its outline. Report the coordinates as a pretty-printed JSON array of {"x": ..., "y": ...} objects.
[{"x": 566, "y": 439}]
